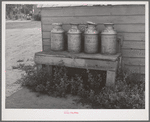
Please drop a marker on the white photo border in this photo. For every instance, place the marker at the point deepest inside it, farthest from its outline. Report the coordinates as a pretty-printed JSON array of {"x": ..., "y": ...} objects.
[{"x": 83, "y": 114}]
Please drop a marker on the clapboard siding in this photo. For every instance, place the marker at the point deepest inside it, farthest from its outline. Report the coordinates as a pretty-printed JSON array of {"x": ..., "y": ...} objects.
[
  {"x": 129, "y": 22},
  {"x": 46, "y": 47},
  {"x": 128, "y": 10},
  {"x": 96, "y": 19},
  {"x": 133, "y": 45},
  {"x": 135, "y": 69},
  {"x": 46, "y": 42},
  {"x": 134, "y": 61},
  {"x": 127, "y": 36},
  {"x": 98, "y": 10},
  {"x": 46, "y": 35},
  {"x": 133, "y": 53},
  {"x": 133, "y": 36}
]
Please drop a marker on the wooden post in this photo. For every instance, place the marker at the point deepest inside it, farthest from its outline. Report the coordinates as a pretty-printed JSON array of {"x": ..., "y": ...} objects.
[
  {"x": 49, "y": 69},
  {"x": 39, "y": 67},
  {"x": 110, "y": 78}
]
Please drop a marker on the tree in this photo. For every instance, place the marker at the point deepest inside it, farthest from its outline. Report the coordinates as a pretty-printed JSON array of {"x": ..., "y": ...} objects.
[{"x": 18, "y": 9}]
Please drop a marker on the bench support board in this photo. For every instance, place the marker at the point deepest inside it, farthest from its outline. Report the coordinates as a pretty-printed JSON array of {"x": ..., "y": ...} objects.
[{"x": 110, "y": 66}]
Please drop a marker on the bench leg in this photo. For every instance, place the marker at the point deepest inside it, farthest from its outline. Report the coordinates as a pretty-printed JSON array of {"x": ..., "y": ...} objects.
[
  {"x": 39, "y": 67},
  {"x": 110, "y": 78}
]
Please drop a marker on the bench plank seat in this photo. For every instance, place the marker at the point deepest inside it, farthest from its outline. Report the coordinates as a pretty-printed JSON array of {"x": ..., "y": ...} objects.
[{"x": 82, "y": 55}]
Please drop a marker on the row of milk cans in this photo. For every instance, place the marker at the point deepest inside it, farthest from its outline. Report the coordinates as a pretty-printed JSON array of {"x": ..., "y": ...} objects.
[{"x": 91, "y": 42}]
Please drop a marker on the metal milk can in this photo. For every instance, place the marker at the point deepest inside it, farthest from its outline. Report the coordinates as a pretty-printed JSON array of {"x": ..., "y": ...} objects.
[
  {"x": 74, "y": 39},
  {"x": 91, "y": 39},
  {"x": 57, "y": 37},
  {"x": 109, "y": 39}
]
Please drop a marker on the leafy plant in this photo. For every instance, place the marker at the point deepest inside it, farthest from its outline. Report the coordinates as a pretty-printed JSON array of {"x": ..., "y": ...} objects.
[{"x": 128, "y": 92}]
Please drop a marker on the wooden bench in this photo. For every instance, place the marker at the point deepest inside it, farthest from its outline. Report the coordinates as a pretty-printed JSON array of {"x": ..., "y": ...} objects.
[{"x": 108, "y": 63}]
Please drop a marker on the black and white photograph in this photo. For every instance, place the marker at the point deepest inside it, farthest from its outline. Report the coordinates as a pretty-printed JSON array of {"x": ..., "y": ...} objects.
[{"x": 75, "y": 60}]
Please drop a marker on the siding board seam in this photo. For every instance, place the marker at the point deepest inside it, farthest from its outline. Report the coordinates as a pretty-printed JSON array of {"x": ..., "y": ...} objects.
[
  {"x": 135, "y": 57},
  {"x": 133, "y": 41},
  {"x": 134, "y": 49},
  {"x": 134, "y": 65},
  {"x": 129, "y": 32},
  {"x": 131, "y": 57}
]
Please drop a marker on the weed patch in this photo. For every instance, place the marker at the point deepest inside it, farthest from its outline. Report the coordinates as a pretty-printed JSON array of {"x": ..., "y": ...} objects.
[{"x": 127, "y": 93}]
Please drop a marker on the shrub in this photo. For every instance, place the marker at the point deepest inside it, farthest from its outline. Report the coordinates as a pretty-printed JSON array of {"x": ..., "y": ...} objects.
[
  {"x": 122, "y": 96},
  {"x": 128, "y": 93},
  {"x": 37, "y": 81}
]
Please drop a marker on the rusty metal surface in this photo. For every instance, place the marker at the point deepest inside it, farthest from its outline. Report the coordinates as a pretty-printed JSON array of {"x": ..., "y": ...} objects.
[
  {"x": 109, "y": 39},
  {"x": 91, "y": 42},
  {"x": 74, "y": 39},
  {"x": 74, "y": 43},
  {"x": 109, "y": 44},
  {"x": 57, "y": 41},
  {"x": 57, "y": 37}
]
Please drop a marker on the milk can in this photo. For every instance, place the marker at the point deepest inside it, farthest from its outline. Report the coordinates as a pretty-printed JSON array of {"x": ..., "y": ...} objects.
[
  {"x": 74, "y": 39},
  {"x": 91, "y": 39},
  {"x": 57, "y": 37},
  {"x": 109, "y": 39}
]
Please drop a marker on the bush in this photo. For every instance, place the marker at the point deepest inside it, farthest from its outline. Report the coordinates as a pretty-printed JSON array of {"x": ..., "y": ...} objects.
[
  {"x": 121, "y": 97},
  {"x": 16, "y": 17},
  {"x": 37, "y": 81},
  {"x": 37, "y": 17},
  {"x": 128, "y": 93}
]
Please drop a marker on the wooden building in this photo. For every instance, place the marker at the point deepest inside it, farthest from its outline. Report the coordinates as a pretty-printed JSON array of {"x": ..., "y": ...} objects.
[{"x": 129, "y": 22}]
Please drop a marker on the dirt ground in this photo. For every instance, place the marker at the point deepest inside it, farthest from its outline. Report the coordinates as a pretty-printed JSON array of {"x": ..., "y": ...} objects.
[
  {"x": 24, "y": 98},
  {"x": 23, "y": 39}
]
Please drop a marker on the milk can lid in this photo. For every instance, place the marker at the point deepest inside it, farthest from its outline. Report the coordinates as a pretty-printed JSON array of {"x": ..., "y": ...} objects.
[
  {"x": 109, "y": 23},
  {"x": 109, "y": 31},
  {"x": 91, "y": 23}
]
